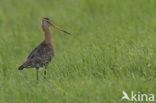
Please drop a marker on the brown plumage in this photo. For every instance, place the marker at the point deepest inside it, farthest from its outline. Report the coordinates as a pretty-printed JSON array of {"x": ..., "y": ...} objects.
[
  {"x": 39, "y": 57},
  {"x": 43, "y": 54}
]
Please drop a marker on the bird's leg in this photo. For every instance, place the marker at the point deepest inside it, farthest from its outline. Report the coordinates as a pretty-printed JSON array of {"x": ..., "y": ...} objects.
[
  {"x": 45, "y": 72},
  {"x": 37, "y": 69}
]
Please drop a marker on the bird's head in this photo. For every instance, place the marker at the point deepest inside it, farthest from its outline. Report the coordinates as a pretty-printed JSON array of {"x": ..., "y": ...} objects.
[{"x": 47, "y": 22}]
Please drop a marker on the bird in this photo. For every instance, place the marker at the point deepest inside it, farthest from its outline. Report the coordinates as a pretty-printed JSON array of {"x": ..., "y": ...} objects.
[{"x": 43, "y": 54}]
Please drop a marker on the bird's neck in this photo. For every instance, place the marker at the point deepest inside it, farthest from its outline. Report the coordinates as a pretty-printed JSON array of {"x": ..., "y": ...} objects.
[{"x": 47, "y": 34}]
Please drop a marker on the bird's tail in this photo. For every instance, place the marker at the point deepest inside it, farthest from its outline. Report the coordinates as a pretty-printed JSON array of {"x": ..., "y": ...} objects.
[{"x": 21, "y": 67}]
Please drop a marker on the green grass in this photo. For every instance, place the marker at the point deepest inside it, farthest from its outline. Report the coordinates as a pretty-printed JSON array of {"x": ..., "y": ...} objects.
[{"x": 112, "y": 48}]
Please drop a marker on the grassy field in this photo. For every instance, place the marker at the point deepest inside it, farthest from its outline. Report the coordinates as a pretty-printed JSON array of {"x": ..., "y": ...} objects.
[{"x": 112, "y": 48}]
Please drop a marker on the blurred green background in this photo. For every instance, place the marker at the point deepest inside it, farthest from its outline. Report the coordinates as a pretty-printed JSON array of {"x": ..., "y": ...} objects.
[{"x": 112, "y": 48}]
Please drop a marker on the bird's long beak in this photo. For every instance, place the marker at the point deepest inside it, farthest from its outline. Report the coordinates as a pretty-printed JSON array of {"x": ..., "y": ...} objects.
[{"x": 59, "y": 29}]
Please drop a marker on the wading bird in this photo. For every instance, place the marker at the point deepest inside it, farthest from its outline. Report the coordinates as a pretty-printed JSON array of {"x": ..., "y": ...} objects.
[{"x": 43, "y": 54}]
